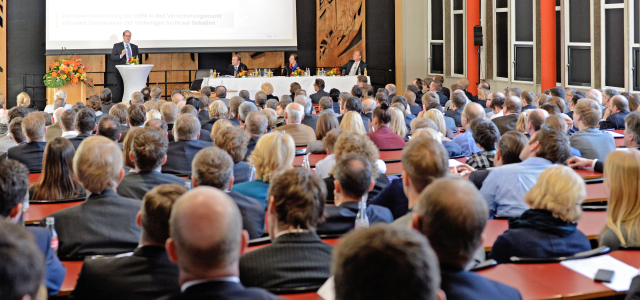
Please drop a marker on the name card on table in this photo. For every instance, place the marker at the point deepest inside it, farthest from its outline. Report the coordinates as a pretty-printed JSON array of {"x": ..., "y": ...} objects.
[{"x": 623, "y": 273}]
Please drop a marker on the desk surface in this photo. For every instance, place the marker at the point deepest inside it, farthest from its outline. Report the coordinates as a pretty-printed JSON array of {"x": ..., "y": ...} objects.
[
  {"x": 596, "y": 192},
  {"x": 71, "y": 278},
  {"x": 37, "y": 212}
]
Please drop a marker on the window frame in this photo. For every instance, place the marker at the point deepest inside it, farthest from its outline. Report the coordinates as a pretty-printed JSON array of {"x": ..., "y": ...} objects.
[
  {"x": 567, "y": 43},
  {"x": 432, "y": 41},
  {"x": 626, "y": 45},
  {"x": 512, "y": 43},
  {"x": 464, "y": 40}
]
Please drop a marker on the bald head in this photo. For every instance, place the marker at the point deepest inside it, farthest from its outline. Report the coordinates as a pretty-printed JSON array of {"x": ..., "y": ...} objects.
[
  {"x": 206, "y": 234},
  {"x": 535, "y": 119},
  {"x": 368, "y": 105},
  {"x": 471, "y": 111},
  {"x": 57, "y": 114},
  {"x": 294, "y": 113},
  {"x": 513, "y": 105},
  {"x": 618, "y": 103},
  {"x": 595, "y": 95}
]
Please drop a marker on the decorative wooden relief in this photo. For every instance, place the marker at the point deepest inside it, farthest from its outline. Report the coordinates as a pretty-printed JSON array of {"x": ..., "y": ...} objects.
[
  {"x": 262, "y": 60},
  {"x": 96, "y": 63},
  {"x": 340, "y": 31},
  {"x": 171, "y": 61},
  {"x": 3, "y": 47}
]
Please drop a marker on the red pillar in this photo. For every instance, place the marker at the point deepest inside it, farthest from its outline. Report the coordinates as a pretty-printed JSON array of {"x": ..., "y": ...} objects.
[
  {"x": 473, "y": 19},
  {"x": 548, "y": 43}
]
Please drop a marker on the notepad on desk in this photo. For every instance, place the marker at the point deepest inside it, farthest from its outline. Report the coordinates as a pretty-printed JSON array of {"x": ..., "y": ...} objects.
[
  {"x": 623, "y": 273},
  {"x": 615, "y": 134},
  {"x": 454, "y": 163}
]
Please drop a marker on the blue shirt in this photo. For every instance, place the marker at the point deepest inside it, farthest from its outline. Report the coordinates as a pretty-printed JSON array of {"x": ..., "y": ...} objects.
[
  {"x": 505, "y": 187},
  {"x": 256, "y": 189},
  {"x": 467, "y": 143}
]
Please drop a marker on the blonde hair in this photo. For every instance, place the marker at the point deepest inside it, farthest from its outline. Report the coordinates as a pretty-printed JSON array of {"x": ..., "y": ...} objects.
[
  {"x": 397, "y": 123},
  {"x": 98, "y": 163},
  {"x": 521, "y": 125},
  {"x": 559, "y": 190},
  {"x": 351, "y": 142},
  {"x": 427, "y": 132},
  {"x": 352, "y": 122},
  {"x": 273, "y": 153},
  {"x": 24, "y": 100},
  {"x": 437, "y": 117},
  {"x": 153, "y": 114},
  {"x": 621, "y": 170},
  {"x": 218, "y": 126},
  {"x": 267, "y": 88},
  {"x": 217, "y": 109}
]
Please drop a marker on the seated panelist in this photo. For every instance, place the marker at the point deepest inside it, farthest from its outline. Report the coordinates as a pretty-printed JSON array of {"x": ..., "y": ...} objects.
[
  {"x": 236, "y": 65},
  {"x": 355, "y": 66},
  {"x": 293, "y": 64}
]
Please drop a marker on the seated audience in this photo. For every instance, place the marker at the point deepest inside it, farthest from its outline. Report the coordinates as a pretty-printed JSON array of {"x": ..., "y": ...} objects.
[
  {"x": 22, "y": 270},
  {"x": 274, "y": 153},
  {"x": 301, "y": 133},
  {"x": 147, "y": 273},
  {"x": 452, "y": 214},
  {"x": 128, "y": 144},
  {"x": 297, "y": 257},
  {"x": 591, "y": 142},
  {"x": 30, "y": 153},
  {"x": 380, "y": 133},
  {"x": 67, "y": 127},
  {"x": 57, "y": 181},
  {"x": 453, "y": 149},
  {"x": 326, "y": 122},
  {"x": 234, "y": 106},
  {"x": 256, "y": 125},
  {"x": 148, "y": 152},
  {"x": 505, "y": 186},
  {"x": 458, "y": 101},
  {"x": 105, "y": 223},
  {"x": 310, "y": 119},
  {"x": 218, "y": 127},
  {"x": 521, "y": 125},
  {"x": 119, "y": 110},
  {"x": 352, "y": 122},
  {"x": 558, "y": 123},
  {"x": 496, "y": 105},
  {"x": 398, "y": 123},
  {"x": 326, "y": 106},
  {"x": 85, "y": 124},
  {"x": 234, "y": 140},
  {"x": 206, "y": 239},
  {"x": 446, "y": 125},
  {"x": 511, "y": 110},
  {"x": 619, "y": 108},
  {"x": 54, "y": 130},
  {"x": 325, "y": 165},
  {"x": 548, "y": 228},
  {"x": 136, "y": 114},
  {"x": 181, "y": 152},
  {"x": 465, "y": 140},
  {"x": 5, "y": 139},
  {"x": 16, "y": 137},
  {"x": 486, "y": 136},
  {"x": 528, "y": 100},
  {"x": 351, "y": 103}
]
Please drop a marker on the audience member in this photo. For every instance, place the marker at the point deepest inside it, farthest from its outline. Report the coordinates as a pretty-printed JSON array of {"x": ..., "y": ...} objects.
[
  {"x": 453, "y": 149},
  {"x": 465, "y": 140},
  {"x": 591, "y": 142},
  {"x": 486, "y": 136},
  {"x": 234, "y": 141},
  {"x": 22, "y": 270},
  {"x": 54, "y": 130},
  {"x": 619, "y": 108},
  {"x": 527, "y": 99},
  {"x": 352, "y": 122},
  {"x": 325, "y": 165},
  {"x": 398, "y": 123},
  {"x": 310, "y": 119},
  {"x": 181, "y": 152},
  {"x": 30, "y": 154},
  {"x": 256, "y": 125},
  {"x": 512, "y": 108},
  {"x": 14, "y": 136},
  {"x": 85, "y": 124},
  {"x": 380, "y": 133},
  {"x": 301, "y": 133},
  {"x": 458, "y": 101},
  {"x": 119, "y": 110},
  {"x": 109, "y": 127},
  {"x": 57, "y": 181},
  {"x": 326, "y": 122}
]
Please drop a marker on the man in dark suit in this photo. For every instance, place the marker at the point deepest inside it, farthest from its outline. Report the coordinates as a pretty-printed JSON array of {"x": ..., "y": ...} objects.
[
  {"x": 353, "y": 179},
  {"x": 14, "y": 185},
  {"x": 318, "y": 85},
  {"x": 355, "y": 66},
  {"x": 30, "y": 154},
  {"x": 206, "y": 242},
  {"x": 255, "y": 125},
  {"x": 436, "y": 86},
  {"x": 619, "y": 108},
  {"x": 213, "y": 167},
  {"x": 105, "y": 223},
  {"x": 120, "y": 54},
  {"x": 181, "y": 152},
  {"x": 511, "y": 111},
  {"x": 309, "y": 118},
  {"x": 234, "y": 141},
  {"x": 391, "y": 90},
  {"x": 85, "y": 124},
  {"x": 297, "y": 257},
  {"x": 458, "y": 101},
  {"x": 302, "y": 134},
  {"x": 145, "y": 274},
  {"x": 528, "y": 100},
  {"x": 109, "y": 127},
  {"x": 236, "y": 65},
  {"x": 149, "y": 153},
  {"x": 461, "y": 210}
]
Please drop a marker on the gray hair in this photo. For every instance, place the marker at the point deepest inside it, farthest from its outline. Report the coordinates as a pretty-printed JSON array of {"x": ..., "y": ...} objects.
[
  {"x": 57, "y": 114},
  {"x": 293, "y": 113},
  {"x": 244, "y": 94},
  {"x": 366, "y": 107},
  {"x": 306, "y": 102},
  {"x": 261, "y": 98},
  {"x": 271, "y": 103},
  {"x": 256, "y": 122},
  {"x": 244, "y": 110},
  {"x": 609, "y": 93},
  {"x": 344, "y": 96}
]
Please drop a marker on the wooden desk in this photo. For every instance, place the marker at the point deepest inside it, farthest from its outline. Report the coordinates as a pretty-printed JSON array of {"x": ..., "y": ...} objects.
[
  {"x": 588, "y": 173},
  {"x": 619, "y": 140},
  {"x": 596, "y": 192},
  {"x": 38, "y": 212},
  {"x": 305, "y": 296},
  {"x": 390, "y": 155},
  {"x": 71, "y": 278},
  {"x": 394, "y": 168},
  {"x": 313, "y": 159},
  {"x": 529, "y": 289}
]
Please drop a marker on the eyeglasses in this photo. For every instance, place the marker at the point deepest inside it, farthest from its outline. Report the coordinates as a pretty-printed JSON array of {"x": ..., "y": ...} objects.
[{"x": 128, "y": 35}]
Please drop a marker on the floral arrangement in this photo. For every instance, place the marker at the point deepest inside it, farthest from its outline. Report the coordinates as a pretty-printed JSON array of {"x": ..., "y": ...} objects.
[
  {"x": 297, "y": 72},
  {"x": 67, "y": 70},
  {"x": 243, "y": 74},
  {"x": 133, "y": 61},
  {"x": 334, "y": 72}
]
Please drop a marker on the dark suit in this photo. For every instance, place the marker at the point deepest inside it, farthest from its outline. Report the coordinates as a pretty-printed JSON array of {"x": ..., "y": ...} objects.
[
  {"x": 460, "y": 284},
  {"x": 506, "y": 123},
  {"x": 393, "y": 198},
  {"x": 342, "y": 218},
  {"x": 477, "y": 177},
  {"x": 292, "y": 260},
  {"x": 203, "y": 116},
  {"x": 311, "y": 121},
  {"x": 453, "y": 148},
  {"x": 232, "y": 70},
  {"x": 345, "y": 69},
  {"x": 221, "y": 290},
  {"x": 250, "y": 146},
  {"x": 315, "y": 98},
  {"x": 252, "y": 212},
  {"x": 634, "y": 289},
  {"x": 124, "y": 128},
  {"x": 456, "y": 115},
  {"x": 29, "y": 154},
  {"x": 380, "y": 183},
  {"x": 468, "y": 94},
  {"x": 615, "y": 121},
  {"x": 105, "y": 224},
  {"x": 528, "y": 107},
  {"x": 208, "y": 125},
  {"x": 115, "y": 57},
  {"x": 53, "y": 132},
  {"x": 55, "y": 271},
  {"x": 145, "y": 274},
  {"x": 443, "y": 98},
  {"x": 78, "y": 139},
  {"x": 445, "y": 91},
  {"x": 234, "y": 120},
  {"x": 241, "y": 172},
  {"x": 180, "y": 154},
  {"x": 415, "y": 109},
  {"x": 135, "y": 185},
  {"x": 205, "y": 135}
]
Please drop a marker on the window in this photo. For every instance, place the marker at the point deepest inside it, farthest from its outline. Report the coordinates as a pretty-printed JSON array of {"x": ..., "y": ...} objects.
[
  {"x": 513, "y": 40},
  {"x": 578, "y": 42},
  {"x": 635, "y": 48},
  {"x": 613, "y": 49},
  {"x": 436, "y": 37},
  {"x": 501, "y": 38},
  {"x": 458, "y": 37}
]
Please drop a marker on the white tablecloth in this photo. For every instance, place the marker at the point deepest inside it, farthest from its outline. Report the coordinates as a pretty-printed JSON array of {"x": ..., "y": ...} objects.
[{"x": 281, "y": 84}]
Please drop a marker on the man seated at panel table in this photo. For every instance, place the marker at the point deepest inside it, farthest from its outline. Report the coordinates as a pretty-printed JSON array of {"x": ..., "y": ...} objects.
[
  {"x": 14, "y": 184},
  {"x": 505, "y": 186},
  {"x": 105, "y": 223},
  {"x": 619, "y": 108},
  {"x": 181, "y": 152},
  {"x": 353, "y": 181},
  {"x": 355, "y": 66},
  {"x": 452, "y": 214},
  {"x": 236, "y": 66},
  {"x": 149, "y": 152},
  {"x": 146, "y": 273},
  {"x": 30, "y": 153},
  {"x": 206, "y": 242},
  {"x": 302, "y": 134},
  {"x": 591, "y": 142}
]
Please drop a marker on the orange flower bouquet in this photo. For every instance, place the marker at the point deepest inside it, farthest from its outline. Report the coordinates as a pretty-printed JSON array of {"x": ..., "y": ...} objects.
[
  {"x": 67, "y": 70},
  {"x": 243, "y": 74},
  {"x": 133, "y": 61},
  {"x": 334, "y": 72},
  {"x": 297, "y": 72}
]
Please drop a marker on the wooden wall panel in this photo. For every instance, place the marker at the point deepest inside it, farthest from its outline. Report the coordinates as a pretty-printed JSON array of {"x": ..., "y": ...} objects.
[
  {"x": 95, "y": 63},
  {"x": 171, "y": 61},
  {"x": 262, "y": 60},
  {"x": 3, "y": 47},
  {"x": 340, "y": 31}
]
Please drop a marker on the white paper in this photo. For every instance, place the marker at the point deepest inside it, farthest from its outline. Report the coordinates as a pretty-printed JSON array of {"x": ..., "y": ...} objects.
[
  {"x": 615, "y": 134},
  {"x": 454, "y": 163},
  {"x": 328, "y": 290},
  {"x": 623, "y": 273}
]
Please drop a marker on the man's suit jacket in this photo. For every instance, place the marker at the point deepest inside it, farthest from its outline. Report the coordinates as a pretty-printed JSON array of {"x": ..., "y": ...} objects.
[
  {"x": 203, "y": 116},
  {"x": 53, "y": 132},
  {"x": 221, "y": 290},
  {"x": 252, "y": 212},
  {"x": 105, "y": 224},
  {"x": 250, "y": 146},
  {"x": 634, "y": 289},
  {"x": 78, "y": 139},
  {"x": 460, "y": 284},
  {"x": 134, "y": 185},
  {"x": 124, "y": 128},
  {"x": 241, "y": 172},
  {"x": 445, "y": 91},
  {"x": 477, "y": 177},
  {"x": 342, "y": 218},
  {"x": 315, "y": 98},
  {"x": 117, "y": 50},
  {"x": 443, "y": 98},
  {"x": 234, "y": 120},
  {"x": 506, "y": 123},
  {"x": 54, "y": 270},
  {"x": 145, "y": 274},
  {"x": 311, "y": 121},
  {"x": 456, "y": 115},
  {"x": 180, "y": 154},
  {"x": 528, "y": 107},
  {"x": 302, "y": 134},
  {"x": 292, "y": 260},
  {"x": 208, "y": 125},
  {"x": 205, "y": 135},
  {"x": 615, "y": 121},
  {"x": 453, "y": 148},
  {"x": 393, "y": 198},
  {"x": 345, "y": 69},
  {"x": 232, "y": 70},
  {"x": 29, "y": 154}
]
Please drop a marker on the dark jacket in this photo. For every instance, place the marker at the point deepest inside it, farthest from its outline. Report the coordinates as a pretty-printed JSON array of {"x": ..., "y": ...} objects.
[
  {"x": 292, "y": 260},
  {"x": 615, "y": 121},
  {"x": 392, "y": 197},
  {"x": 443, "y": 98},
  {"x": 232, "y": 69},
  {"x": 445, "y": 91},
  {"x": 477, "y": 177},
  {"x": 347, "y": 67},
  {"x": 311, "y": 121},
  {"x": 135, "y": 185},
  {"x": 203, "y": 116},
  {"x": 634, "y": 289},
  {"x": 205, "y": 135},
  {"x": 29, "y": 154},
  {"x": 456, "y": 115},
  {"x": 221, "y": 290},
  {"x": 180, "y": 154},
  {"x": 117, "y": 50},
  {"x": 315, "y": 98},
  {"x": 207, "y": 125},
  {"x": 537, "y": 234},
  {"x": 78, "y": 139},
  {"x": 250, "y": 146},
  {"x": 506, "y": 123},
  {"x": 342, "y": 218},
  {"x": 528, "y": 107},
  {"x": 453, "y": 148},
  {"x": 241, "y": 172},
  {"x": 54, "y": 270},
  {"x": 380, "y": 183},
  {"x": 460, "y": 284},
  {"x": 252, "y": 212},
  {"x": 105, "y": 224},
  {"x": 145, "y": 274}
]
